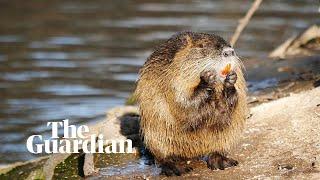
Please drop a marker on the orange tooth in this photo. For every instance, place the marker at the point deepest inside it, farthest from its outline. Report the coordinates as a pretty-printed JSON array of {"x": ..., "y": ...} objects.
[{"x": 226, "y": 69}]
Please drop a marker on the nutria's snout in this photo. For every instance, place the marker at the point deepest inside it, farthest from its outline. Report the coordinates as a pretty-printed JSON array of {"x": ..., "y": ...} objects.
[{"x": 227, "y": 64}]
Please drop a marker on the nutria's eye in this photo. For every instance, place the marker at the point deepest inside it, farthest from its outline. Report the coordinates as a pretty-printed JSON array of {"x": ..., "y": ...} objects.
[{"x": 200, "y": 45}]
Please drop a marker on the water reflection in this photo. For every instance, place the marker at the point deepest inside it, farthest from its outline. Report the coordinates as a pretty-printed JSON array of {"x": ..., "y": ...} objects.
[{"x": 75, "y": 59}]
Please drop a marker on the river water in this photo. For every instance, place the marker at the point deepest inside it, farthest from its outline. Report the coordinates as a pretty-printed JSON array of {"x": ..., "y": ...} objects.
[{"x": 75, "y": 59}]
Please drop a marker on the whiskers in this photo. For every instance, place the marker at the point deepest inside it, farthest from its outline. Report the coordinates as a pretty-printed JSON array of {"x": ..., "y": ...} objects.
[
  {"x": 195, "y": 67},
  {"x": 239, "y": 62}
]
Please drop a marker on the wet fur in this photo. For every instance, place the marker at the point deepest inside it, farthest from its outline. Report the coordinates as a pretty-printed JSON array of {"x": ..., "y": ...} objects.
[{"x": 180, "y": 116}]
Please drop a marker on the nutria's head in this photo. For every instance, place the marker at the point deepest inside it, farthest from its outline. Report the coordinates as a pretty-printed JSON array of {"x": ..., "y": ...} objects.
[{"x": 187, "y": 54}]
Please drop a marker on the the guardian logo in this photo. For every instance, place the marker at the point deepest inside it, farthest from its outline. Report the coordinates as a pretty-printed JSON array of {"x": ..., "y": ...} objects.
[{"x": 74, "y": 139}]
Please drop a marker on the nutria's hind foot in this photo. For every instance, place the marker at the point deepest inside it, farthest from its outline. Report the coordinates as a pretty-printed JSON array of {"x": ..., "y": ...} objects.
[
  {"x": 146, "y": 156},
  {"x": 218, "y": 161},
  {"x": 171, "y": 169}
]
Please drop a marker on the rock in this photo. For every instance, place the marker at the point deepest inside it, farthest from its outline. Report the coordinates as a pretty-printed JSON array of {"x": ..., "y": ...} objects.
[
  {"x": 284, "y": 138},
  {"x": 36, "y": 174},
  {"x": 70, "y": 168},
  {"x": 51, "y": 164},
  {"x": 88, "y": 167},
  {"x": 26, "y": 170}
]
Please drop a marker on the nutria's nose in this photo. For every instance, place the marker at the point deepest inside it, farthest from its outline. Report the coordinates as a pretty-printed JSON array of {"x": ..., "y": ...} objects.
[{"x": 227, "y": 52}]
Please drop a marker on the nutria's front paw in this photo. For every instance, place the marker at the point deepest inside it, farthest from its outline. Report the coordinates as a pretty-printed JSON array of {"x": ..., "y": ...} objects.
[
  {"x": 209, "y": 77},
  {"x": 217, "y": 161},
  {"x": 231, "y": 79}
]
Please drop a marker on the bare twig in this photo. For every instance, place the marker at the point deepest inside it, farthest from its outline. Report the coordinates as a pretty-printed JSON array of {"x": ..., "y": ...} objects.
[{"x": 244, "y": 21}]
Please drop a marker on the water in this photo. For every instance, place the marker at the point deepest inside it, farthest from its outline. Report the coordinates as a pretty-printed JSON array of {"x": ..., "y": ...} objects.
[{"x": 75, "y": 59}]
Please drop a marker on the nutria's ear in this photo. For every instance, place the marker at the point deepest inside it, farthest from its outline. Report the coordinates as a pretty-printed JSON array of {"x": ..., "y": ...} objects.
[
  {"x": 166, "y": 52},
  {"x": 185, "y": 38},
  {"x": 181, "y": 40}
]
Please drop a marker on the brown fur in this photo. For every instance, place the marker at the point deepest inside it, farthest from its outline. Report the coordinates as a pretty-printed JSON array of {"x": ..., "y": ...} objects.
[{"x": 177, "y": 120}]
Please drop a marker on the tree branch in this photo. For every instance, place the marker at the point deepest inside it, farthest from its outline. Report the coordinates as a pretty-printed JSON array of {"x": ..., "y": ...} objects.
[{"x": 244, "y": 21}]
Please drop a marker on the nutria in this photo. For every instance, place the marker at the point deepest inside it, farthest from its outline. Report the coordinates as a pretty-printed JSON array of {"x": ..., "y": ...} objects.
[{"x": 188, "y": 107}]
